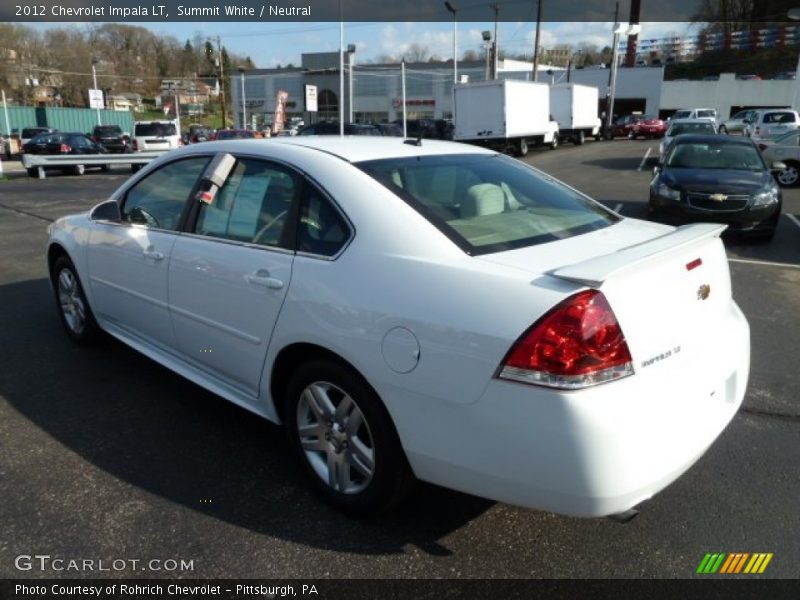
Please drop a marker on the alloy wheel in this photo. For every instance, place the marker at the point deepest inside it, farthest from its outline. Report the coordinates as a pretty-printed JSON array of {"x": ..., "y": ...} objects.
[
  {"x": 788, "y": 176},
  {"x": 69, "y": 298}
]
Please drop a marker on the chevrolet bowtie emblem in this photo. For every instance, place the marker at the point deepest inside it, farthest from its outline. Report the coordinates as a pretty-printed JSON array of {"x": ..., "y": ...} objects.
[
  {"x": 718, "y": 197},
  {"x": 703, "y": 291}
]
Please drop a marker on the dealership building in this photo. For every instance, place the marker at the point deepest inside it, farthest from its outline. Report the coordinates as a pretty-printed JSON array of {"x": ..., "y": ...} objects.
[{"x": 377, "y": 90}]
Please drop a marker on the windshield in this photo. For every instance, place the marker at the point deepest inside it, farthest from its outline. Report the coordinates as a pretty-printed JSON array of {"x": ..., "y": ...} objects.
[
  {"x": 155, "y": 129},
  {"x": 108, "y": 130},
  {"x": 700, "y": 128},
  {"x": 489, "y": 203},
  {"x": 682, "y": 114},
  {"x": 705, "y": 155},
  {"x": 33, "y": 131}
]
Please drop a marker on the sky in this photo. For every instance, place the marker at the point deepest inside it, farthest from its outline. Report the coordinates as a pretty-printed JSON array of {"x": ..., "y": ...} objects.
[{"x": 272, "y": 44}]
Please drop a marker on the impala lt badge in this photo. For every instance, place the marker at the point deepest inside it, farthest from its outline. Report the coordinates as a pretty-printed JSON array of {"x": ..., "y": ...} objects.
[{"x": 703, "y": 291}]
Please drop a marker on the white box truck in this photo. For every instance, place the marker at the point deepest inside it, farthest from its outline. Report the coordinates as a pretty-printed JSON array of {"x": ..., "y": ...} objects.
[
  {"x": 505, "y": 114},
  {"x": 574, "y": 107}
]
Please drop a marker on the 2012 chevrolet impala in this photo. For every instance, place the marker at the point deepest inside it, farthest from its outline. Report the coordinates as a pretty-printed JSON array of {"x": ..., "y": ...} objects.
[{"x": 419, "y": 309}]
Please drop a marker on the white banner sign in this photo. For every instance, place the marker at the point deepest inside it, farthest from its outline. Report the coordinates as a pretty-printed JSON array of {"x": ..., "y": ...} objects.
[
  {"x": 311, "y": 98},
  {"x": 96, "y": 99}
]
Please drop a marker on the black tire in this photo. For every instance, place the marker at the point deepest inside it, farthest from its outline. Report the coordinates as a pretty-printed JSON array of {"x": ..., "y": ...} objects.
[
  {"x": 75, "y": 302},
  {"x": 789, "y": 177},
  {"x": 105, "y": 168},
  {"x": 522, "y": 147},
  {"x": 33, "y": 172},
  {"x": 631, "y": 136},
  {"x": 554, "y": 143},
  {"x": 579, "y": 138},
  {"x": 79, "y": 170},
  {"x": 391, "y": 476}
]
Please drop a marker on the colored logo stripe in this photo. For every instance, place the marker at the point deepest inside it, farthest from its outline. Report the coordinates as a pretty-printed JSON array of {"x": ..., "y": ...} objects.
[{"x": 734, "y": 563}]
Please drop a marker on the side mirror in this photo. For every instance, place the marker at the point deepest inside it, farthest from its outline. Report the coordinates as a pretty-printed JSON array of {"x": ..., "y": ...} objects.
[
  {"x": 777, "y": 166},
  {"x": 106, "y": 211}
]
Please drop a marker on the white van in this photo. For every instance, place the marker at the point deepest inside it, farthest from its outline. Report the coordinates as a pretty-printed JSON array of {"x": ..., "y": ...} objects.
[
  {"x": 709, "y": 114},
  {"x": 149, "y": 136}
]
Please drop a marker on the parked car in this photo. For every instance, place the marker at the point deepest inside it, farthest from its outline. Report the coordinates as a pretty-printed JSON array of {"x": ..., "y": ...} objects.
[
  {"x": 623, "y": 126},
  {"x": 332, "y": 128},
  {"x": 784, "y": 149},
  {"x": 648, "y": 126},
  {"x": 438, "y": 311},
  {"x": 709, "y": 114},
  {"x": 199, "y": 133},
  {"x": 28, "y": 133},
  {"x": 390, "y": 129},
  {"x": 718, "y": 179},
  {"x": 785, "y": 75},
  {"x": 155, "y": 135},
  {"x": 738, "y": 122},
  {"x": 61, "y": 144},
  {"x": 234, "y": 134},
  {"x": 112, "y": 138},
  {"x": 749, "y": 77},
  {"x": 680, "y": 127},
  {"x": 772, "y": 122}
]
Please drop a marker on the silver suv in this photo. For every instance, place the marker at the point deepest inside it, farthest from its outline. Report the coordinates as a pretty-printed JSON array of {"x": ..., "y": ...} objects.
[
  {"x": 149, "y": 136},
  {"x": 767, "y": 124}
]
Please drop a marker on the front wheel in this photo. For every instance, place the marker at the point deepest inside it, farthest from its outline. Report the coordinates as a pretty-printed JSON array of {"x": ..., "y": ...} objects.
[
  {"x": 579, "y": 138},
  {"x": 790, "y": 176},
  {"x": 345, "y": 438},
  {"x": 79, "y": 169},
  {"x": 73, "y": 308},
  {"x": 554, "y": 143},
  {"x": 522, "y": 147}
]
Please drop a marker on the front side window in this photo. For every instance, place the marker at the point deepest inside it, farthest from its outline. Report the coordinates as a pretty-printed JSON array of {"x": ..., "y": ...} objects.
[
  {"x": 158, "y": 200},
  {"x": 252, "y": 207},
  {"x": 489, "y": 203}
]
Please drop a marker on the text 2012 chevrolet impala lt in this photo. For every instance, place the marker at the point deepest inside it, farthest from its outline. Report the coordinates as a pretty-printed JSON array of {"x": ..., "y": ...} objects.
[{"x": 432, "y": 311}]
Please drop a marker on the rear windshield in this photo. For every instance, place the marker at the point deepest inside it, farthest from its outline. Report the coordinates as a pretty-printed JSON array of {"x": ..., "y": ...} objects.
[
  {"x": 489, "y": 203},
  {"x": 700, "y": 128},
  {"x": 234, "y": 135},
  {"x": 107, "y": 130},
  {"x": 722, "y": 155},
  {"x": 706, "y": 113},
  {"x": 682, "y": 114},
  {"x": 33, "y": 131},
  {"x": 779, "y": 117},
  {"x": 155, "y": 129}
]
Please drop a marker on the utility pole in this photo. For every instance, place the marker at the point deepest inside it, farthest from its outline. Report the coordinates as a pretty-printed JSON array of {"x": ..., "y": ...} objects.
[
  {"x": 536, "y": 42},
  {"x": 496, "y": 7},
  {"x": 94, "y": 77},
  {"x": 221, "y": 81}
]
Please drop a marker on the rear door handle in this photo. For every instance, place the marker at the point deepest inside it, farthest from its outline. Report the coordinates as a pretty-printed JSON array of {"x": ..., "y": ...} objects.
[{"x": 262, "y": 278}]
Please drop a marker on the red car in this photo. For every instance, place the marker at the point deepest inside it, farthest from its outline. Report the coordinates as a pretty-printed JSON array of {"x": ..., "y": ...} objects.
[
  {"x": 648, "y": 126},
  {"x": 623, "y": 126}
]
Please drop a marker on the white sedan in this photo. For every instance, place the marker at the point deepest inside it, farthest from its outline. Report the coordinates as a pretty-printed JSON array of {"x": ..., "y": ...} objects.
[{"x": 419, "y": 310}]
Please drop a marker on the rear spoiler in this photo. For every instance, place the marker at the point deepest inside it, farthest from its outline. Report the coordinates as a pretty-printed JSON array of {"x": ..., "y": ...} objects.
[{"x": 595, "y": 271}]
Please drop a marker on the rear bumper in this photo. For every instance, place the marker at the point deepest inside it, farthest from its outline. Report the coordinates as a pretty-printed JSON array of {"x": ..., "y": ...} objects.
[{"x": 592, "y": 453}]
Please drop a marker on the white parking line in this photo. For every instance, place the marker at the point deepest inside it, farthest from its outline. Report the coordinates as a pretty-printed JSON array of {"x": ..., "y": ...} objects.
[
  {"x": 644, "y": 160},
  {"x": 618, "y": 208},
  {"x": 764, "y": 263},
  {"x": 793, "y": 219}
]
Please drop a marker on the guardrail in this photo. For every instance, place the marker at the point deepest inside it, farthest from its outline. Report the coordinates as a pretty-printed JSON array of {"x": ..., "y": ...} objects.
[{"x": 40, "y": 162}]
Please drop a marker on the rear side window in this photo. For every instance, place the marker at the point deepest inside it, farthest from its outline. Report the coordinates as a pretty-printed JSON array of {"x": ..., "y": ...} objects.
[
  {"x": 321, "y": 230},
  {"x": 158, "y": 200},
  {"x": 155, "y": 129},
  {"x": 33, "y": 132},
  {"x": 489, "y": 203}
]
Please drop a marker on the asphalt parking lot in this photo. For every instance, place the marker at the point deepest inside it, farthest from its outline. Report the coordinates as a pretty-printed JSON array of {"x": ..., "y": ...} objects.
[{"x": 105, "y": 455}]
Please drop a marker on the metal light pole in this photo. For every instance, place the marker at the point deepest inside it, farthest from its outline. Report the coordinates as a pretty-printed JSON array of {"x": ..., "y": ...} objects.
[
  {"x": 618, "y": 29},
  {"x": 449, "y": 6},
  {"x": 536, "y": 43},
  {"x": 794, "y": 15},
  {"x": 222, "y": 81},
  {"x": 244, "y": 105},
  {"x": 341, "y": 70},
  {"x": 403, "y": 86},
  {"x": 94, "y": 77},
  {"x": 351, "y": 52},
  {"x": 487, "y": 36}
]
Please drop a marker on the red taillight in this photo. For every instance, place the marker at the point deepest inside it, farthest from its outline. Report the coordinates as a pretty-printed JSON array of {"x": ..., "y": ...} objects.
[
  {"x": 135, "y": 146},
  {"x": 65, "y": 149},
  {"x": 579, "y": 343}
]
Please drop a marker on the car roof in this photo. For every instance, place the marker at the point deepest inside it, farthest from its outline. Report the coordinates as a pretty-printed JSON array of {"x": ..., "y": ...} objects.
[{"x": 355, "y": 148}]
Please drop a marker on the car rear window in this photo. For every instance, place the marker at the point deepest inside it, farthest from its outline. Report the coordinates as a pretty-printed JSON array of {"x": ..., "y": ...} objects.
[
  {"x": 33, "y": 132},
  {"x": 155, "y": 129},
  {"x": 699, "y": 128},
  {"x": 682, "y": 114},
  {"x": 489, "y": 203},
  {"x": 107, "y": 130},
  {"x": 779, "y": 117},
  {"x": 706, "y": 113}
]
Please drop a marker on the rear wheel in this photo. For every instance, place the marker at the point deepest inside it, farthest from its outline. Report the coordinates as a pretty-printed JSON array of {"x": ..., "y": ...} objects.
[
  {"x": 79, "y": 169},
  {"x": 522, "y": 147},
  {"x": 73, "y": 308},
  {"x": 790, "y": 176},
  {"x": 554, "y": 143},
  {"x": 345, "y": 438},
  {"x": 723, "y": 130},
  {"x": 579, "y": 138}
]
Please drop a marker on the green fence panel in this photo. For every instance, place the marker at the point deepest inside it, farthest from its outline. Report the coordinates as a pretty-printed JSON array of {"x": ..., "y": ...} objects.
[
  {"x": 64, "y": 119},
  {"x": 18, "y": 117}
]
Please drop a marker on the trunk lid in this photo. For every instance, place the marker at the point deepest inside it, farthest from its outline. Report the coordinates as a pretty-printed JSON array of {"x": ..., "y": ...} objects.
[{"x": 669, "y": 288}]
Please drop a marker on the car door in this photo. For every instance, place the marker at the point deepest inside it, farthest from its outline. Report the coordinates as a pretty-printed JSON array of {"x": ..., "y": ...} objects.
[
  {"x": 128, "y": 261},
  {"x": 230, "y": 271},
  {"x": 788, "y": 149}
]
